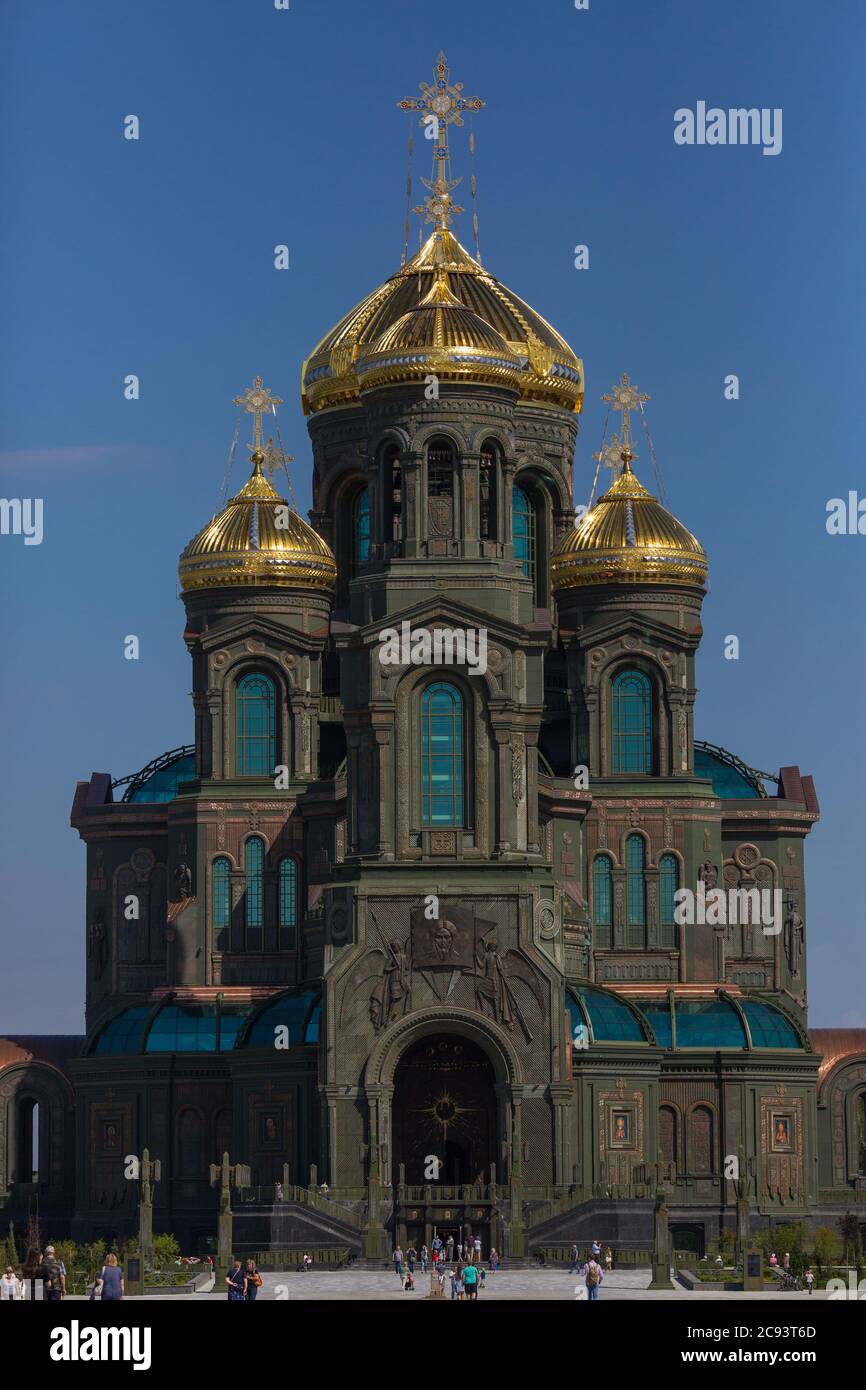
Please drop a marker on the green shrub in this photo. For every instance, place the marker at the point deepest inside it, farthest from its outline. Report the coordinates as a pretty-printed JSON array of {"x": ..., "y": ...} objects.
[{"x": 165, "y": 1251}]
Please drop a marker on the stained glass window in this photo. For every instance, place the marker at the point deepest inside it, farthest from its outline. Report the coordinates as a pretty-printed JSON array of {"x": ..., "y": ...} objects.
[
  {"x": 254, "y": 863},
  {"x": 523, "y": 532},
  {"x": 221, "y": 901},
  {"x": 442, "y": 759},
  {"x": 288, "y": 904},
  {"x": 635, "y": 860},
  {"x": 668, "y": 885},
  {"x": 632, "y": 723},
  {"x": 361, "y": 530},
  {"x": 255, "y": 743}
]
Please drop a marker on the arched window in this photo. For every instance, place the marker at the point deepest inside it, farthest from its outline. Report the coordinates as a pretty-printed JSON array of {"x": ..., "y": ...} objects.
[
  {"x": 255, "y": 726},
  {"x": 488, "y": 482},
  {"x": 602, "y": 899},
  {"x": 360, "y": 530},
  {"x": 440, "y": 488},
  {"x": 523, "y": 531},
  {"x": 635, "y": 861},
  {"x": 669, "y": 882},
  {"x": 632, "y": 723},
  {"x": 288, "y": 905},
  {"x": 700, "y": 1154},
  {"x": 221, "y": 902},
  {"x": 254, "y": 897},
  {"x": 668, "y": 1134},
  {"x": 392, "y": 491},
  {"x": 442, "y": 756},
  {"x": 28, "y": 1140}
]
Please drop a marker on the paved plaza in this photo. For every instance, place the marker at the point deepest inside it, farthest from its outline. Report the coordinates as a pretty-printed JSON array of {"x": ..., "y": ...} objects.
[{"x": 520, "y": 1285}]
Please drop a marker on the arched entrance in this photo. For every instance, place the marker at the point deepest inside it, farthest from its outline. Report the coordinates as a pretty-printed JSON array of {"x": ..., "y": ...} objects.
[{"x": 444, "y": 1108}]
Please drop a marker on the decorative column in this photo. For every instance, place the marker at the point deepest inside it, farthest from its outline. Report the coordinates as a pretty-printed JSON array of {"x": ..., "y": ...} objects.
[
  {"x": 410, "y": 472},
  {"x": 470, "y": 482}
]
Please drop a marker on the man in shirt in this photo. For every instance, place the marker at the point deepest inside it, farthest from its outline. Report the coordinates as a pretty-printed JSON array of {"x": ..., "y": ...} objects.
[
  {"x": 53, "y": 1276},
  {"x": 470, "y": 1281}
]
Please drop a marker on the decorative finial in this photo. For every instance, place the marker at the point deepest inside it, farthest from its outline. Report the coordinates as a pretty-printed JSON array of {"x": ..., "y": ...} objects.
[
  {"x": 615, "y": 456},
  {"x": 625, "y": 397},
  {"x": 258, "y": 401},
  {"x": 441, "y": 104}
]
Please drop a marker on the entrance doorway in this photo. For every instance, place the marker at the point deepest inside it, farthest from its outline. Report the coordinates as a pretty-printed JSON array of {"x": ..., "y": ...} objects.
[{"x": 444, "y": 1116}]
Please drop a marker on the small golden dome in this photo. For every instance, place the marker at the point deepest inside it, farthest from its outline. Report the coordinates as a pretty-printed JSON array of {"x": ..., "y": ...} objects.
[
  {"x": 548, "y": 370},
  {"x": 628, "y": 538},
  {"x": 439, "y": 334},
  {"x": 257, "y": 539}
]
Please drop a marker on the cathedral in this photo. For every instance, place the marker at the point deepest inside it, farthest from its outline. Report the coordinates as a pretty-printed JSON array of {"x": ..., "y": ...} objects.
[{"x": 466, "y": 933}]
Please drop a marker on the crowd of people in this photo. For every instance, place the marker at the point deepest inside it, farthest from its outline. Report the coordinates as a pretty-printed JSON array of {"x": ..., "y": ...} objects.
[{"x": 455, "y": 1260}]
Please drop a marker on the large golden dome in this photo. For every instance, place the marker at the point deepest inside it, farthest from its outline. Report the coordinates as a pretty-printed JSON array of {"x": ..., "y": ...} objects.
[
  {"x": 257, "y": 539},
  {"x": 628, "y": 538},
  {"x": 349, "y": 358},
  {"x": 440, "y": 335}
]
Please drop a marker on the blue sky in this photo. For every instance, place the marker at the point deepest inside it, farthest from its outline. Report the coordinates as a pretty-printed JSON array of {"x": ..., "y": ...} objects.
[{"x": 261, "y": 127}]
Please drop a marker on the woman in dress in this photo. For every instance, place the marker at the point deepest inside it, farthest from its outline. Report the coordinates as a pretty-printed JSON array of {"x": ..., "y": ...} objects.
[{"x": 110, "y": 1281}]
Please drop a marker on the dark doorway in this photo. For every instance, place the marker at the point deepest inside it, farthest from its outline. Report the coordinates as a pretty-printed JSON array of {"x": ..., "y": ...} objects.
[{"x": 445, "y": 1109}]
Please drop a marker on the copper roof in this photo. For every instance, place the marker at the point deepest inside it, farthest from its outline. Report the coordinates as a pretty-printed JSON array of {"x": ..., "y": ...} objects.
[
  {"x": 55, "y": 1050},
  {"x": 837, "y": 1045}
]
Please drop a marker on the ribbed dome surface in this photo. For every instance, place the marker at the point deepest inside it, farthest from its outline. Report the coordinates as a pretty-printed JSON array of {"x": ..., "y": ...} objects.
[
  {"x": 257, "y": 539},
  {"x": 628, "y": 537},
  {"x": 439, "y": 335},
  {"x": 548, "y": 369}
]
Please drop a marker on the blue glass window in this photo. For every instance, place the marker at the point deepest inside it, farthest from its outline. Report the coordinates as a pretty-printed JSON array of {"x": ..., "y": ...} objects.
[
  {"x": 183, "y": 1028},
  {"x": 125, "y": 1033},
  {"x": 255, "y": 741},
  {"x": 299, "y": 1013},
  {"x": 768, "y": 1027},
  {"x": 635, "y": 860},
  {"x": 658, "y": 1016},
  {"x": 611, "y": 1019},
  {"x": 162, "y": 785},
  {"x": 288, "y": 904},
  {"x": 632, "y": 723},
  {"x": 442, "y": 761},
  {"x": 602, "y": 899},
  {"x": 669, "y": 882},
  {"x": 708, "y": 1023},
  {"x": 232, "y": 1019},
  {"x": 523, "y": 531},
  {"x": 221, "y": 902},
  {"x": 361, "y": 530},
  {"x": 254, "y": 904}
]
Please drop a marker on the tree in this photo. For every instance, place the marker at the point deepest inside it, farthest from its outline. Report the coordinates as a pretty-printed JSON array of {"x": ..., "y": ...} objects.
[
  {"x": 165, "y": 1251},
  {"x": 11, "y": 1249},
  {"x": 827, "y": 1246},
  {"x": 849, "y": 1229}
]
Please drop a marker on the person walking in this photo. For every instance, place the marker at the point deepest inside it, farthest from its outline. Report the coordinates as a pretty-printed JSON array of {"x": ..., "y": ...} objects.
[
  {"x": 397, "y": 1257},
  {"x": 809, "y": 1278},
  {"x": 460, "y": 1249},
  {"x": 254, "y": 1280},
  {"x": 470, "y": 1282},
  {"x": 596, "y": 1249},
  {"x": 594, "y": 1278},
  {"x": 11, "y": 1287},
  {"x": 237, "y": 1282},
  {"x": 575, "y": 1260},
  {"x": 53, "y": 1276},
  {"x": 786, "y": 1262},
  {"x": 436, "y": 1246},
  {"x": 425, "y": 1259},
  {"x": 411, "y": 1257},
  {"x": 449, "y": 1250},
  {"x": 457, "y": 1281},
  {"x": 494, "y": 1259},
  {"x": 608, "y": 1260},
  {"x": 109, "y": 1283},
  {"x": 476, "y": 1247}
]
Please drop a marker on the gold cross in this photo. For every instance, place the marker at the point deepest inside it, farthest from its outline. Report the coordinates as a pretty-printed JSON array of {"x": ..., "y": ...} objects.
[
  {"x": 625, "y": 397},
  {"x": 258, "y": 401},
  {"x": 442, "y": 104}
]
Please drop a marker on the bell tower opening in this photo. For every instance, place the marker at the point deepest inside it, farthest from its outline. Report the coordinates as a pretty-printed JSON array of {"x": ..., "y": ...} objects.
[{"x": 445, "y": 1110}]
